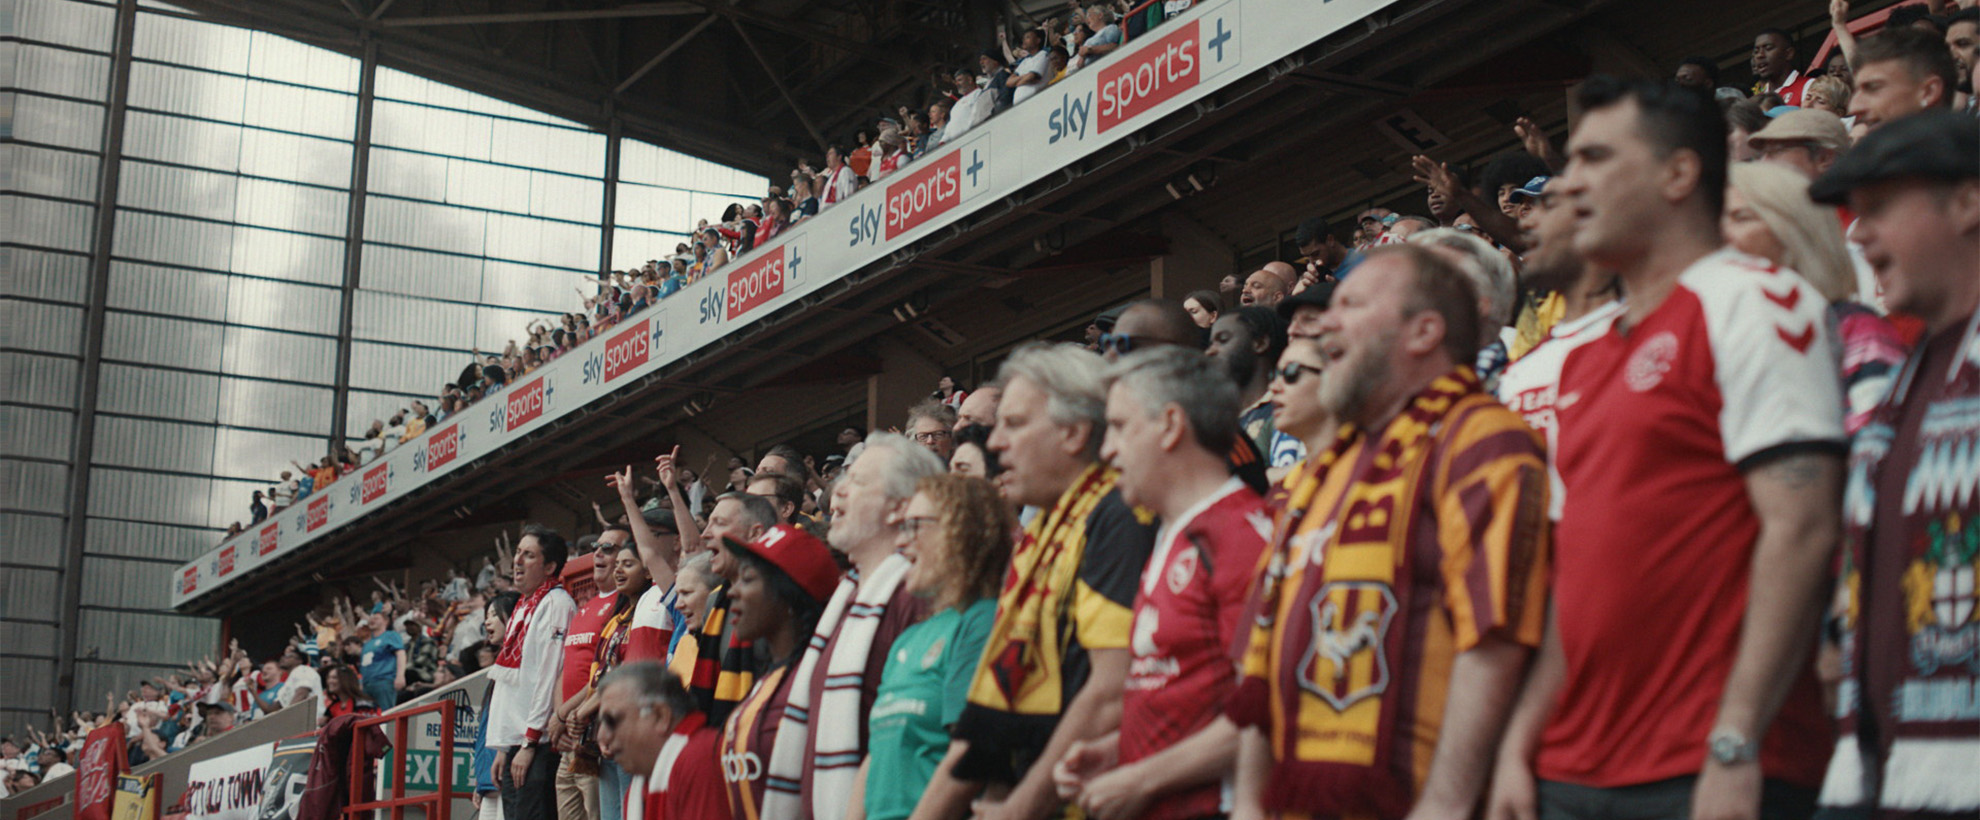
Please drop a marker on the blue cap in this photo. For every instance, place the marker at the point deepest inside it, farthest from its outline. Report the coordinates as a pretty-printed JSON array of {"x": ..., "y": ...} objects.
[
  {"x": 1781, "y": 109},
  {"x": 1533, "y": 188}
]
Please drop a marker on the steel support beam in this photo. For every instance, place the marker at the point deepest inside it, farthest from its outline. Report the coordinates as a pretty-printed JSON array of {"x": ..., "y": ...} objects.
[
  {"x": 340, "y": 396},
  {"x": 609, "y": 220},
  {"x": 96, "y": 314},
  {"x": 672, "y": 47},
  {"x": 622, "y": 12},
  {"x": 778, "y": 81}
]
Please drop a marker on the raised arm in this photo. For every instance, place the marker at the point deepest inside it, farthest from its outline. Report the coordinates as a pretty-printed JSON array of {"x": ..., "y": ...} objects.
[
  {"x": 667, "y": 469},
  {"x": 660, "y": 560}
]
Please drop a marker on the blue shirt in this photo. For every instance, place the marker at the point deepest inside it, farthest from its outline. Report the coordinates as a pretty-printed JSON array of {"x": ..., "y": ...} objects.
[{"x": 381, "y": 661}]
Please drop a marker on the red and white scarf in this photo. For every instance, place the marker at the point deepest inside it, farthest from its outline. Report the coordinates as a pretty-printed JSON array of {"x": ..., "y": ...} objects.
[{"x": 508, "y": 663}]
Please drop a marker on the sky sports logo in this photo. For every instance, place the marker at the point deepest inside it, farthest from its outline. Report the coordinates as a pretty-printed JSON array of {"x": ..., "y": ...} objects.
[
  {"x": 317, "y": 515},
  {"x": 264, "y": 541},
  {"x": 442, "y": 447},
  {"x": 525, "y": 404},
  {"x": 224, "y": 565},
  {"x": 376, "y": 481},
  {"x": 188, "y": 580},
  {"x": 757, "y": 283},
  {"x": 627, "y": 350},
  {"x": 924, "y": 195},
  {"x": 1148, "y": 77}
]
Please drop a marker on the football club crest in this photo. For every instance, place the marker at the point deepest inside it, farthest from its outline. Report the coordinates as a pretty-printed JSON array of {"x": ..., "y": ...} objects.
[{"x": 1345, "y": 663}]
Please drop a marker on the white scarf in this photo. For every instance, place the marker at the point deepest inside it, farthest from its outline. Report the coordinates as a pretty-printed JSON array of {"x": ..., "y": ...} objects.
[{"x": 835, "y": 763}]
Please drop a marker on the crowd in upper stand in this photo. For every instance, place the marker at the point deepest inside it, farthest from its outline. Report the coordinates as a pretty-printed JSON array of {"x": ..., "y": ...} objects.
[
  {"x": 1045, "y": 51},
  {"x": 1633, "y": 480}
]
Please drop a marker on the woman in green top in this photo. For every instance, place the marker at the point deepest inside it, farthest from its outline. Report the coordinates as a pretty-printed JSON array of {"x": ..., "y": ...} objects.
[{"x": 958, "y": 532}]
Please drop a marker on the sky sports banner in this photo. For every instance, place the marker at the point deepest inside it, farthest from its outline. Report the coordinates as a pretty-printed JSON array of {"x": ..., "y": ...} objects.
[{"x": 1162, "y": 71}]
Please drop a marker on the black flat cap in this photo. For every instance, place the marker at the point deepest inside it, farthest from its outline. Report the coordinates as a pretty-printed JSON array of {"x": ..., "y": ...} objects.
[{"x": 1937, "y": 144}]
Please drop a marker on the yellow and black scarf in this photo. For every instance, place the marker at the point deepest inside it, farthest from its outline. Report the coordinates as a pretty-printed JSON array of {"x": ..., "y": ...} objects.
[
  {"x": 724, "y": 667},
  {"x": 1020, "y": 686}
]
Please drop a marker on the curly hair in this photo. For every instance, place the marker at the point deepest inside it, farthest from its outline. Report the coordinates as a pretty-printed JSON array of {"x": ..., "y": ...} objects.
[{"x": 976, "y": 528}]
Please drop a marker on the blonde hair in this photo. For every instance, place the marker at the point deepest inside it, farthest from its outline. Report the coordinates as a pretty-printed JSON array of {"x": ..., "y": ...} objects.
[
  {"x": 1810, "y": 236},
  {"x": 1832, "y": 89}
]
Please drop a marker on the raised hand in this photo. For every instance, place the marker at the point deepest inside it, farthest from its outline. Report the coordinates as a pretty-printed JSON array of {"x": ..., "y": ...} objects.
[
  {"x": 667, "y": 467},
  {"x": 1436, "y": 176}
]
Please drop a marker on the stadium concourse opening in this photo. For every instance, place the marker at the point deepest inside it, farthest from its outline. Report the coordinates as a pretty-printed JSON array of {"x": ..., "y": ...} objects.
[{"x": 1183, "y": 155}]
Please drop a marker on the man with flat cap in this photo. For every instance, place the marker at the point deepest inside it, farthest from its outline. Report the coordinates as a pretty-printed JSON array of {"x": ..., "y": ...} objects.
[{"x": 1910, "y": 733}]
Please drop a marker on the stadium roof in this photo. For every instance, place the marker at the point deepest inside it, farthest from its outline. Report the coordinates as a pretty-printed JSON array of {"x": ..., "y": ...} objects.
[{"x": 748, "y": 83}]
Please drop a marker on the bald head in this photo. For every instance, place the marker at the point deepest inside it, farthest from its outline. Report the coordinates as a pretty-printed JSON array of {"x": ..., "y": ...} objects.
[
  {"x": 1158, "y": 321},
  {"x": 1267, "y": 285}
]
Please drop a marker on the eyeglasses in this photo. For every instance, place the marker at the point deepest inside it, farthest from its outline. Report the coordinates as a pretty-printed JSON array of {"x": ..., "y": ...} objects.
[
  {"x": 1121, "y": 343},
  {"x": 1291, "y": 373},
  {"x": 912, "y": 525},
  {"x": 933, "y": 436}
]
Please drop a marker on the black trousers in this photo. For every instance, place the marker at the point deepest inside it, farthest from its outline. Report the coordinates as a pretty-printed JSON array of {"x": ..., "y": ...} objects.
[
  {"x": 1662, "y": 800},
  {"x": 535, "y": 798}
]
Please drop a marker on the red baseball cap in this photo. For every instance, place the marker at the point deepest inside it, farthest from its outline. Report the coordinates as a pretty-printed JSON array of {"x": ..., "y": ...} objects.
[{"x": 800, "y": 555}]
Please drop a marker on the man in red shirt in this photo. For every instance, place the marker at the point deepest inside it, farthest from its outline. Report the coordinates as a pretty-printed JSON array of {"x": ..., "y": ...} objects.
[
  {"x": 647, "y": 724},
  {"x": 577, "y": 783},
  {"x": 1701, "y": 450},
  {"x": 1171, "y": 421}
]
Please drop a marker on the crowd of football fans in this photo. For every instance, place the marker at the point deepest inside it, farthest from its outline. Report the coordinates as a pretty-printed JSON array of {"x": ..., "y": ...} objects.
[{"x": 1633, "y": 478}]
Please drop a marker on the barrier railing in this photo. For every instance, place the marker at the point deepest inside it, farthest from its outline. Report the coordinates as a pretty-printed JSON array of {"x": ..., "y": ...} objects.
[{"x": 441, "y": 798}]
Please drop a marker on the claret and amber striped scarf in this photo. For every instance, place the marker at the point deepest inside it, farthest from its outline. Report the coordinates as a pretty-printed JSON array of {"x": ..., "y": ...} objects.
[{"x": 1328, "y": 635}]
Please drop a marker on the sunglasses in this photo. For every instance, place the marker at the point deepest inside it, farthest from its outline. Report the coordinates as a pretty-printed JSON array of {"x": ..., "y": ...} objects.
[
  {"x": 1120, "y": 343},
  {"x": 1292, "y": 371}
]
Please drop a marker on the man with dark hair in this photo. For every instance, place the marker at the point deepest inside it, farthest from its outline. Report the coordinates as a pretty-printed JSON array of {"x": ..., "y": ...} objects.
[
  {"x": 1322, "y": 251},
  {"x": 1900, "y": 72},
  {"x": 1406, "y": 587},
  {"x": 1704, "y": 433},
  {"x": 1908, "y": 739},
  {"x": 723, "y": 667},
  {"x": 577, "y": 788},
  {"x": 785, "y": 459},
  {"x": 1171, "y": 421},
  {"x": 782, "y": 491},
  {"x": 648, "y": 724},
  {"x": 1963, "y": 42},
  {"x": 526, "y": 676},
  {"x": 1773, "y": 66},
  {"x": 1699, "y": 73},
  {"x": 1248, "y": 342}
]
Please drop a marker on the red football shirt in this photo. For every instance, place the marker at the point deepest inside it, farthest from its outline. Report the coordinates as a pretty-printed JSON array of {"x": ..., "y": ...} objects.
[
  {"x": 1654, "y": 550},
  {"x": 687, "y": 777},
  {"x": 581, "y": 643},
  {"x": 652, "y": 627},
  {"x": 1186, "y": 618}
]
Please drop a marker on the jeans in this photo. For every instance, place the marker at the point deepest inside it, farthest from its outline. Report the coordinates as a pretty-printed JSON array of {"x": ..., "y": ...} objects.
[
  {"x": 612, "y": 784},
  {"x": 535, "y": 798},
  {"x": 381, "y": 693},
  {"x": 1662, "y": 800}
]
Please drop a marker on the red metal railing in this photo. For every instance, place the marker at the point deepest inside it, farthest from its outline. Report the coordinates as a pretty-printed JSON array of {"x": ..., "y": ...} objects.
[{"x": 442, "y": 798}]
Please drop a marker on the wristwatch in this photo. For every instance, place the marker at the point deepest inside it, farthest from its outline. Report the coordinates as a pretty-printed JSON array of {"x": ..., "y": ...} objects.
[{"x": 1730, "y": 747}]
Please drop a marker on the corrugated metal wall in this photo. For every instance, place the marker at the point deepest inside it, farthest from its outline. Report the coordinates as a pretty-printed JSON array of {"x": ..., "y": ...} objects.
[{"x": 223, "y": 297}]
